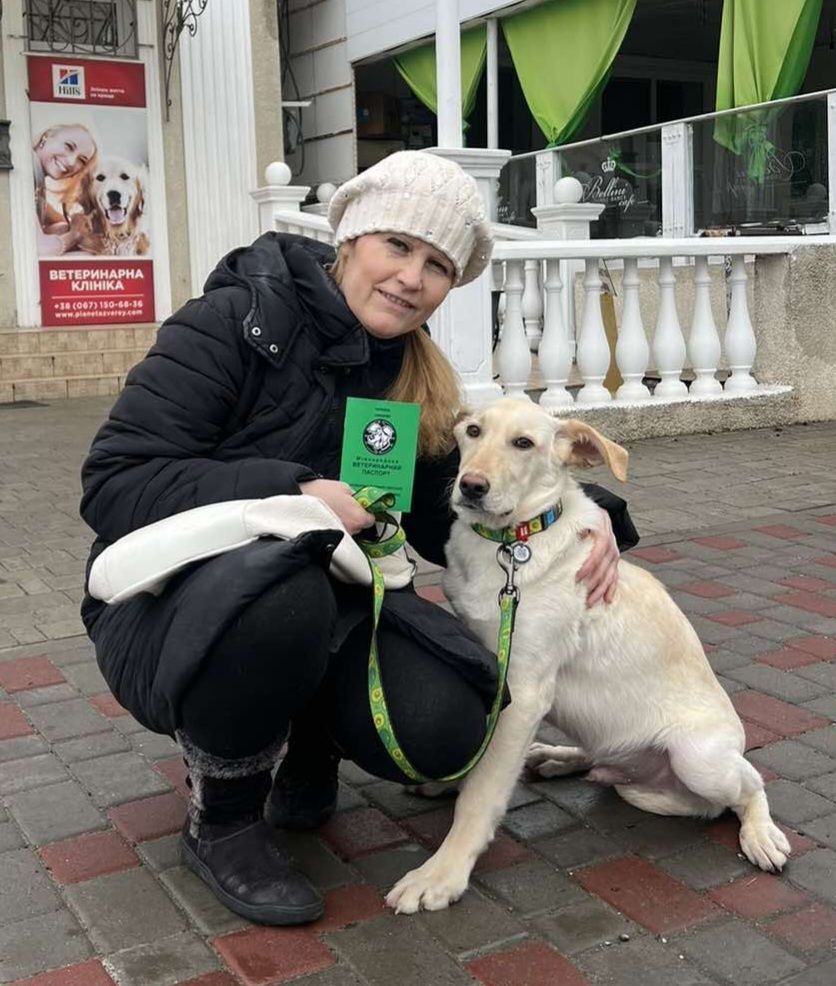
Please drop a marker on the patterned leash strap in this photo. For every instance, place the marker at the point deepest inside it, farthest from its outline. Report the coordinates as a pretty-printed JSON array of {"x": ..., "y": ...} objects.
[{"x": 379, "y": 503}]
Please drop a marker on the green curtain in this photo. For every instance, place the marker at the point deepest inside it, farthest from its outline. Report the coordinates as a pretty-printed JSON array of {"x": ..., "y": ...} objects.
[
  {"x": 417, "y": 67},
  {"x": 563, "y": 51},
  {"x": 765, "y": 48}
]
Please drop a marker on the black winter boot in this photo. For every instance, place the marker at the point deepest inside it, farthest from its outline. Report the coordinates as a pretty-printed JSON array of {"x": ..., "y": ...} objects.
[
  {"x": 304, "y": 794},
  {"x": 228, "y": 845}
]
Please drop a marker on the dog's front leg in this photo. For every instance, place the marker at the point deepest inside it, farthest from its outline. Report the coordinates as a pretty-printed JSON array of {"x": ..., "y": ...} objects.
[{"x": 479, "y": 809}]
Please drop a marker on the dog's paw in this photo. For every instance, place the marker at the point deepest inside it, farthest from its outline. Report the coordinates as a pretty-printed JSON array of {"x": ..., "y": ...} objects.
[
  {"x": 555, "y": 761},
  {"x": 765, "y": 845},
  {"x": 430, "y": 887}
]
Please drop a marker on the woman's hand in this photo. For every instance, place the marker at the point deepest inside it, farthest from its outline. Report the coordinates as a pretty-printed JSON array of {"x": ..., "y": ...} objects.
[
  {"x": 340, "y": 498},
  {"x": 600, "y": 570}
]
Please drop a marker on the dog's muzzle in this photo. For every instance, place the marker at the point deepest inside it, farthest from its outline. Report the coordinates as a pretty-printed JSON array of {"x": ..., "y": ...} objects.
[{"x": 474, "y": 487}]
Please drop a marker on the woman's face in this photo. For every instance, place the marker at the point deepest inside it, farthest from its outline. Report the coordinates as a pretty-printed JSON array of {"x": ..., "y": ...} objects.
[
  {"x": 393, "y": 282},
  {"x": 65, "y": 151}
]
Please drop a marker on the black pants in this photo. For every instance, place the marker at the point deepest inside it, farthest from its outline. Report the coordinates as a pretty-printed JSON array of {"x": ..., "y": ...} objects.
[{"x": 276, "y": 665}]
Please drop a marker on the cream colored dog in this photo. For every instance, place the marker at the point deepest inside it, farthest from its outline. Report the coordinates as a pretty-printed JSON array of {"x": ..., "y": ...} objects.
[{"x": 628, "y": 681}]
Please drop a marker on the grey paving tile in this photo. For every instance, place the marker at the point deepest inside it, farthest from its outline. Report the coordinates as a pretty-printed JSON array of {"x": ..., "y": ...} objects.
[
  {"x": 384, "y": 869},
  {"x": 163, "y": 963},
  {"x": 536, "y": 820},
  {"x": 816, "y": 871},
  {"x": 64, "y": 720},
  {"x": 55, "y": 812},
  {"x": 25, "y": 888},
  {"x": 316, "y": 860},
  {"x": 737, "y": 953},
  {"x": 124, "y": 909},
  {"x": 794, "y": 760},
  {"x": 659, "y": 837},
  {"x": 161, "y": 854},
  {"x": 823, "y": 674},
  {"x": 10, "y": 837},
  {"x": 396, "y": 801},
  {"x": 825, "y": 785},
  {"x": 532, "y": 886},
  {"x": 705, "y": 866},
  {"x": 43, "y": 696},
  {"x": 474, "y": 923},
  {"x": 823, "y": 739},
  {"x": 117, "y": 778},
  {"x": 824, "y": 706},
  {"x": 86, "y": 678},
  {"x": 793, "y": 804},
  {"x": 21, "y": 746},
  {"x": 576, "y": 848},
  {"x": 202, "y": 907},
  {"x": 44, "y": 942},
  {"x": 391, "y": 950},
  {"x": 641, "y": 961},
  {"x": 780, "y": 684},
  {"x": 154, "y": 746},
  {"x": 819, "y": 975},
  {"x": 582, "y": 925},
  {"x": 20, "y": 775},
  {"x": 88, "y": 747},
  {"x": 823, "y": 830},
  {"x": 337, "y": 975}
]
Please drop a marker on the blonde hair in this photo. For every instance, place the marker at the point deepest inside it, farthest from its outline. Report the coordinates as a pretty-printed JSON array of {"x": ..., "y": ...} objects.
[{"x": 426, "y": 378}]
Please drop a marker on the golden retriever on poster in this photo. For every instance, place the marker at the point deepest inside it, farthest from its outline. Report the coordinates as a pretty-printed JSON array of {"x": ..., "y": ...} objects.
[{"x": 114, "y": 222}]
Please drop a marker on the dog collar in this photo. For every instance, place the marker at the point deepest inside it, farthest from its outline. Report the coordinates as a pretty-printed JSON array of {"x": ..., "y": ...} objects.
[{"x": 521, "y": 532}]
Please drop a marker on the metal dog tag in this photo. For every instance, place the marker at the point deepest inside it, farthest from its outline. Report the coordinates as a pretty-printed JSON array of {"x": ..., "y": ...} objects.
[{"x": 521, "y": 552}]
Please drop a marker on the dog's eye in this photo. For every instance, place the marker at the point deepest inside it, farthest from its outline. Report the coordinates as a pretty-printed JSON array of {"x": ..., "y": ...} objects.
[
  {"x": 522, "y": 442},
  {"x": 100, "y": 177},
  {"x": 124, "y": 177},
  {"x": 473, "y": 431}
]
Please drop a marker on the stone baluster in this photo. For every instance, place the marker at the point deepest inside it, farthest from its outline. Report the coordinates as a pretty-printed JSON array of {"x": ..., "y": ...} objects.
[
  {"x": 593, "y": 348},
  {"x": 278, "y": 195},
  {"x": 498, "y": 284},
  {"x": 668, "y": 341},
  {"x": 555, "y": 351},
  {"x": 740, "y": 336},
  {"x": 704, "y": 341},
  {"x": 514, "y": 356},
  {"x": 532, "y": 305},
  {"x": 631, "y": 350}
]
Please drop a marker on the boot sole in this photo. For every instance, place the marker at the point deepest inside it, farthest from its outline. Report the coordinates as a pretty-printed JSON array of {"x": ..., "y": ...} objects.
[{"x": 272, "y": 914}]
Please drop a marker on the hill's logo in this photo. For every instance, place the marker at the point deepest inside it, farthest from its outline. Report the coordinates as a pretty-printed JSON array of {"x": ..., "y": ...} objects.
[{"x": 68, "y": 82}]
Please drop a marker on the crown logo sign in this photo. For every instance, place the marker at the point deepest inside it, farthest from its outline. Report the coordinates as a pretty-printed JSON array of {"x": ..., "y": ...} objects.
[{"x": 608, "y": 165}]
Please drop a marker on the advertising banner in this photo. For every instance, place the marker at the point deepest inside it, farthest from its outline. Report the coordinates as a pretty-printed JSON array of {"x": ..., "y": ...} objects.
[{"x": 90, "y": 167}]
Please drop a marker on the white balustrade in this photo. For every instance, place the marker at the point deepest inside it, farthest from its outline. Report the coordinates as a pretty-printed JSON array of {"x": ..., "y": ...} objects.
[
  {"x": 514, "y": 356},
  {"x": 632, "y": 351},
  {"x": 555, "y": 353},
  {"x": 740, "y": 337},
  {"x": 668, "y": 341},
  {"x": 704, "y": 341},
  {"x": 532, "y": 304},
  {"x": 593, "y": 348}
]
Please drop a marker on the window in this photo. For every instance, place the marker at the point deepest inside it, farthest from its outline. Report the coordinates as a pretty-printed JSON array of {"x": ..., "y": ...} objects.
[{"x": 91, "y": 27}]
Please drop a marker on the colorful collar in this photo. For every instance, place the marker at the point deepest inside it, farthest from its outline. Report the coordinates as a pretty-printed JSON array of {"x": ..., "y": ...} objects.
[{"x": 522, "y": 531}]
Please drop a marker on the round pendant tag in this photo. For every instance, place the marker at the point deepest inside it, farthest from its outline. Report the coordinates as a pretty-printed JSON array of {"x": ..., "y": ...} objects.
[{"x": 522, "y": 552}]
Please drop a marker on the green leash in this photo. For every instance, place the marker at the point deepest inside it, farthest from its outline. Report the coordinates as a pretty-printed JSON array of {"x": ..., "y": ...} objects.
[{"x": 379, "y": 503}]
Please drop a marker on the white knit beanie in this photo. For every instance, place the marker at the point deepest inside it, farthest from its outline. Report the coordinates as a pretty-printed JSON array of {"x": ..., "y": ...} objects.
[{"x": 422, "y": 195}]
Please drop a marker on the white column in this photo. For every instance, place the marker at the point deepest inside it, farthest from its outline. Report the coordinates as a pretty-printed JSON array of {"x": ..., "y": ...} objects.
[
  {"x": 555, "y": 355},
  {"x": 593, "y": 348},
  {"x": 704, "y": 341},
  {"x": 668, "y": 341},
  {"x": 677, "y": 180},
  {"x": 532, "y": 304},
  {"x": 631, "y": 349},
  {"x": 740, "y": 337},
  {"x": 492, "y": 79},
  {"x": 448, "y": 61},
  {"x": 463, "y": 325},
  {"x": 831, "y": 162},
  {"x": 514, "y": 356},
  {"x": 218, "y": 134},
  {"x": 277, "y": 195}
]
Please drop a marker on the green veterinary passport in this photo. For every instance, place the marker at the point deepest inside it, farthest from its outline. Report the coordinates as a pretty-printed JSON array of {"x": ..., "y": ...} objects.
[{"x": 379, "y": 446}]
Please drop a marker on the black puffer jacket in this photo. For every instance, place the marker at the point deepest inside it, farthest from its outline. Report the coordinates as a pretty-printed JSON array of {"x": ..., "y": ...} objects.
[{"x": 243, "y": 396}]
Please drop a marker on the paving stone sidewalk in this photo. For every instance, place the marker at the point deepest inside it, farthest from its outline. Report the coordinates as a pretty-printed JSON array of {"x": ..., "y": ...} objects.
[{"x": 578, "y": 887}]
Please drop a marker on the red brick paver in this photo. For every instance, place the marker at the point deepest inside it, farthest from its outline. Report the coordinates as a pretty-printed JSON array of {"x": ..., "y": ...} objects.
[
  {"x": 646, "y": 894},
  {"x": 212, "y": 979},
  {"x": 174, "y": 771},
  {"x": 775, "y": 715},
  {"x": 655, "y": 556},
  {"x": 757, "y": 895},
  {"x": 812, "y": 927},
  {"x": 758, "y": 736},
  {"x": 107, "y": 705},
  {"x": 29, "y": 672},
  {"x": 787, "y": 659},
  {"x": 149, "y": 818},
  {"x": 90, "y": 973},
  {"x": 360, "y": 831},
  {"x": 828, "y": 560},
  {"x": 357, "y": 902},
  {"x": 13, "y": 722},
  {"x": 807, "y": 583},
  {"x": 708, "y": 590},
  {"x": 827, "y": 519},
  {"x": 720, "y": 543},
  {"x": 810, "y": 602},
  {"x": 533, "y": 964},
  {"x": 824, "y": 648},
  {"x": 734, "y": 617},
  {"x": 264, "y": 956},
  {"x": 88, "y": 856},
  {"x": 782, "y": 531}
]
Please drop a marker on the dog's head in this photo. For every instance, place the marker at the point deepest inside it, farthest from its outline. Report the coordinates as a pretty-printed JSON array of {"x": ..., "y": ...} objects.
[
  {"x": 119, "y": 193},
  {"x": 515, "y": 460}
]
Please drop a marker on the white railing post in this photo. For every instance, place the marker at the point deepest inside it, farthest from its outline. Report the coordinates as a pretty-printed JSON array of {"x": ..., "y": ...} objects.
[
  {"x": 555, "y": 355},
  {"x": 631, "y": 349},
  {"x": 668, "y": 341},
  {"x": 514, "y": 355},
  {"x": 532, "y": 304},
  {"x": 593, "y": 348},
  {"x": 704, "y": 341},
  {"x": 278, "y": 195},
  {"x": 740, "y": 341},
  {"x": 677, "y": 180},
  {"x": 831, "y": 162}
]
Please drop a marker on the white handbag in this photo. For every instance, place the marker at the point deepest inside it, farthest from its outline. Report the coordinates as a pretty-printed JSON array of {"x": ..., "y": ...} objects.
[{"x": 145, "y": 559}]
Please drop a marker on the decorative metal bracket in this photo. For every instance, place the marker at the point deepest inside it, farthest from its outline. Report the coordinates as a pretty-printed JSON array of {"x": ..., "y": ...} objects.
[
  {"x": 5, "y": 153},
  {"x": 178, "y": 16}
]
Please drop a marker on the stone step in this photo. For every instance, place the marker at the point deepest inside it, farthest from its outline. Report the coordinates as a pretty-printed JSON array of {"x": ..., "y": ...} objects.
[{"x": 61, "y": 388}]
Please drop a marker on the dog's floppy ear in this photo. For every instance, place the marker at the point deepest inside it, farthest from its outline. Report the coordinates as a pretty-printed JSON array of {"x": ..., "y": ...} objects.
[{"x": 588, "y": 448}]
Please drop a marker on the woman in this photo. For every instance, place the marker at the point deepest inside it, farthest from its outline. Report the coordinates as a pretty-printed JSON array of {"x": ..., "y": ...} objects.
[
  {"x": 62, "y": 158},
  {"x": 243, "y": 396}
]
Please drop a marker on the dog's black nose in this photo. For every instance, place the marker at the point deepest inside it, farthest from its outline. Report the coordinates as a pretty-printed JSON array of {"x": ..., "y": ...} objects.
[
  {"x": 114, "y": 198},
  {"x": 473, "y": 486}
]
